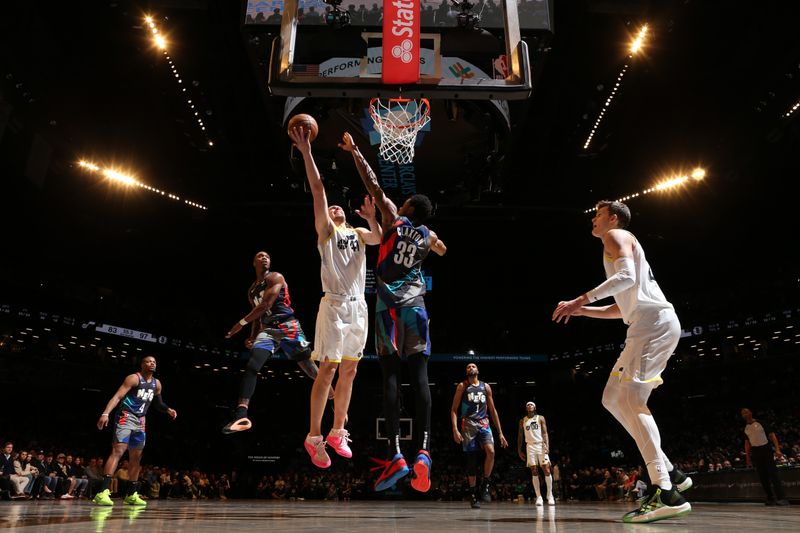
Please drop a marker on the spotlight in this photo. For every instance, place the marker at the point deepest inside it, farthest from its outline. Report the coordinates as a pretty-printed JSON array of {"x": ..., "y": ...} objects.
[{"x": 336, "y": 17}]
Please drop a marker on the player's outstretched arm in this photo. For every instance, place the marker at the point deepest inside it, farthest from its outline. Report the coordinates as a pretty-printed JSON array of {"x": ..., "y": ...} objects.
[
  {"x": 275, "y": 282},
  {"x": 618, "y": 244},
  {"x": 129, "y": 382},
  {"x": 604, "y": 311},
  {"x": 520, "y": 440},
  {"x": 322, "y": 219},
  {"x": 372, "y": 235},
  {"x": 383, "y": 203}
]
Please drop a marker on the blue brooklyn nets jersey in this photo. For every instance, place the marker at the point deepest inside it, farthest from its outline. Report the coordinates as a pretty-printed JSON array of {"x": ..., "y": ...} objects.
[
  {"x": 402, "y": 250},
  {"x": 138, "y": 399},
  {"x": 473, "y": 401},
  {"x": 281, "y": 309}
]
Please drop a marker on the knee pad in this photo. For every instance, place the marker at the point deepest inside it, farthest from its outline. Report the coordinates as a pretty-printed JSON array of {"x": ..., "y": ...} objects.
[{"x": 258, "y": 356}]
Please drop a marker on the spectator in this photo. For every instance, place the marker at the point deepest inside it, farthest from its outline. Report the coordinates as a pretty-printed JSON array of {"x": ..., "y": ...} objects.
[
  {"x": 19, "y": 481},
  {"x": 44, "y": 485},
  {"x": 121, "y": 477},
  {"x": 79, "y": 478},
  {"x": 94, "y": 474},
  {"x": 62, "y": 473},
  {"x": 276, "y": 17}
]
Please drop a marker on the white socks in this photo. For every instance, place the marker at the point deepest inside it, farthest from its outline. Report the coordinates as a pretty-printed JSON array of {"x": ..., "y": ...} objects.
[{"x": 549, "y": 481}]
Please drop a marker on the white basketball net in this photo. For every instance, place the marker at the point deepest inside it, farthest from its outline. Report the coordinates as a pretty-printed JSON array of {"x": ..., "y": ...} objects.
[{"x": 398, "y": 121}]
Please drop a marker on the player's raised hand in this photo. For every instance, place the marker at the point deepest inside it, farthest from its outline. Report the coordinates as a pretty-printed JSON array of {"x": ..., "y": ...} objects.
[
  {"x": 367, "y": 211},
  {"x": 301, "y": 137},
  {"x": 347, "y": 143}
]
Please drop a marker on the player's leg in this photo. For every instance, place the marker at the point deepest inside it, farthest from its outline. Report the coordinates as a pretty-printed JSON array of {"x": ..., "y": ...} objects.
[
  {"x": 293, "y": 342},
  {"x": 118, "y": 447},
  {"x": 262, "y": 351},
  {"x": 314, "y": 443},
  {"x": 536, "y": 484},
  {"x": 637, "y": 372},
  {"x": 488, "y": 464},
  {"x": 471, "y": 453},
  {"x": 628, "y": 389},
  {"x": 386, "y": 336},
  {"x": 416, "y": 342},
  {"x": 533, "y": 456},
  {"x": 135, "y": 449},
  {"x": 353, "y": 321},
  {"x": 548, "y": 478},
  {"x": 395, "y": 467},
  {"x": 338, "y": 438},
  {"x": 418, "y": 375}
]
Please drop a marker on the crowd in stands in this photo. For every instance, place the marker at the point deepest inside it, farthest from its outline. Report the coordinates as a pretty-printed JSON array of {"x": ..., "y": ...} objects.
[
  {"x": 36, "y": 475},
  {"x": 490, "y": 11}
]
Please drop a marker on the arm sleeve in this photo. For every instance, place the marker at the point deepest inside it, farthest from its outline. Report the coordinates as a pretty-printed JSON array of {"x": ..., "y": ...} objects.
[
  {"x": 624, "y": 278},
  {"x": 159, "y": 405}
]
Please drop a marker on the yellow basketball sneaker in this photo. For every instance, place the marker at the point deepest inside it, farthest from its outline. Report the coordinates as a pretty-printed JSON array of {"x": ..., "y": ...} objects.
[
  {"x": 134, "y": 499},
  {"x": 103, "y": 498}
]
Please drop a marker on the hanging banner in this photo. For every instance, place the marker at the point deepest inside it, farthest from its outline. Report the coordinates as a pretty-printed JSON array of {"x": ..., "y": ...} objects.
[{"x": 401, "y": 47}]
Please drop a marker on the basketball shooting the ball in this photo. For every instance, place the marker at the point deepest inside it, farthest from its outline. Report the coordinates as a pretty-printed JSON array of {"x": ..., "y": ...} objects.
[{"x": 306, "y": 122}]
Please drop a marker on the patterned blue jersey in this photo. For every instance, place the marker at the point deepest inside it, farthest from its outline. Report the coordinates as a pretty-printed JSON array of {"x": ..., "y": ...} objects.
[
  {"x": 138, "y": 399},
  {"x": 473, "y": 401},
  {"x": 281, "y": 309},
  {"x": 402, "y": 250}
]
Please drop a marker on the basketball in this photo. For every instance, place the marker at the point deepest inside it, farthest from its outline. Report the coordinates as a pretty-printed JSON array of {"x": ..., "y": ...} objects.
[{"x": 306, "y": 122}]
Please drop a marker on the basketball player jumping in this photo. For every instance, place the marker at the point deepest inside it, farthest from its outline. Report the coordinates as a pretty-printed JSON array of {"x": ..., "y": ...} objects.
[
  {"x": 401, "y": 321},
  {"x": 471, "y": 402},
  {"x": 341, "y": 331},
  {"x": 136, "y": 393},
  {"x": 653, "y": 334},
  {"x": 533, "y": 432},
  {"x": 273, "y": 327}
]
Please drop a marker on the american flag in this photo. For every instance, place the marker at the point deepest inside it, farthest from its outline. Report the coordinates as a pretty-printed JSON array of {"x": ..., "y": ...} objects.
[{"x": 305, "y": 70}]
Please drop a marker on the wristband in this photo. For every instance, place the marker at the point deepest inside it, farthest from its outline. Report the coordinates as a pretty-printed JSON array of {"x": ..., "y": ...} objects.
[
  {"x": 243, "y": 322},
  {"x": 104, "y": 414}
]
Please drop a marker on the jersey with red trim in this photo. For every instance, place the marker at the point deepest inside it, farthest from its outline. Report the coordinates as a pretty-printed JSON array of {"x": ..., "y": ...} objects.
[
  {"x": 281, "y": 309},
  {"x": 473, "y": 401},
  {"x": 402, "y": 250},
  {"x": 137, "y": 400}
]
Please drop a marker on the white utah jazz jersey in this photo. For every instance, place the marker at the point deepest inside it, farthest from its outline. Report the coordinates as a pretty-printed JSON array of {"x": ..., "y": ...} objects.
[
  {"x": 344, "y": 262},
  {"x": 644, "y": 294},
  {"x": 533, "y": 430}
]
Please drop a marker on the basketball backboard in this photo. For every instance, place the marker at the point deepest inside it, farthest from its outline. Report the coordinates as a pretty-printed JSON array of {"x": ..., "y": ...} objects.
[{"x": 320, "y": 60}]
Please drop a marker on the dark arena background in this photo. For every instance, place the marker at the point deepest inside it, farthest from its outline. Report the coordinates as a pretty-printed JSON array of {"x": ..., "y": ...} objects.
[{"x": 144, "y": 161}]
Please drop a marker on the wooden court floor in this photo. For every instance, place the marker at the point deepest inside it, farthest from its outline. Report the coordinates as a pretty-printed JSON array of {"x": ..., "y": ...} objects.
[{"x": 379, "y": 516}]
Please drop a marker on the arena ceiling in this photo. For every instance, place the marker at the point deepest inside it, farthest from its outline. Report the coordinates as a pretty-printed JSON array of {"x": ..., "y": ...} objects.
[{"x": 82, "y": 80}]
